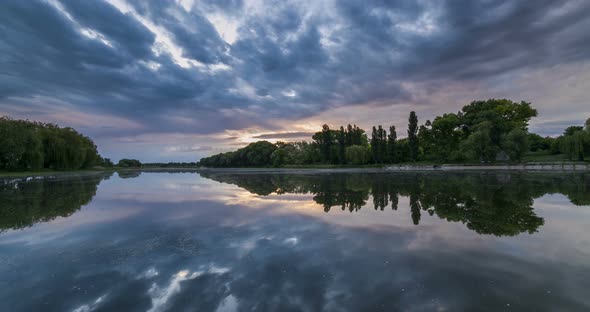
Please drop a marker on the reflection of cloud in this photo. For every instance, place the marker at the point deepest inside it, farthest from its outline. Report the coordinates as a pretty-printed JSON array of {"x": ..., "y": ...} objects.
[
  {"x": 160, "y": 297},
  {"x": 229, "y": 304},
  {"x": 292, "y": 241},
  {"x": 152, "y": 272},
  {"x": 217, "y": 270},
  {"x": 91, "y": 306}
]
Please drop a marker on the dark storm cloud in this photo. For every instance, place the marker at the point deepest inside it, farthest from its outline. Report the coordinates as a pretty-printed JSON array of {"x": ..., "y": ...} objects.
[{"x": 289, "y": 63}]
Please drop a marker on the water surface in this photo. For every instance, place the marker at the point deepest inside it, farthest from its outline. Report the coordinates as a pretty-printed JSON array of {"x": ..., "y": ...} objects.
[{"x": 220, "y": 241}]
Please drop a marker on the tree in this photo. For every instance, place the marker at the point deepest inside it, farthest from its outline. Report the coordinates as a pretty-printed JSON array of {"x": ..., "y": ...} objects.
[
  {"x": 349, "y": 134},
  {"x": 446, "y": 137},
  {"x": 426, "y": 146},
  {"x": 278, "y": 157},
  {"x": 106, "y": 162},
  {"x": 129, "y": 163},
  {"x": 402, "y": 150},
  {"x": 357, "y": 155},
  {"x": 28, "y": 145},
  {"x": 374, "y": 139},
  {"x": 341, "y": 145},
  {"x": 516, "y": 144},
  {"x": 412, "y": 135},
  {"x": 500, "y": 116},
  {"x": 479, "y": 145},
  {"x": 358, "y": 136},
  {"x": 326, "y": 144},
  {"x": 572, "y": 129},
  {"x": 391, "y": 148},
  {"x": 382, "y": 147},
  {"x": 574, "y": 145},
  {"x": 378, "y": 144},
  {"x": 539, "y": 143}
]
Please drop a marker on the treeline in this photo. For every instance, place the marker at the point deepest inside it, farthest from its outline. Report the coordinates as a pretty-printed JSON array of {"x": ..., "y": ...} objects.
[
  {"x": 30, "y": 145},
  {"x": 483, "y": 131},
  {"x": 26, "y": 145},
  {"x": 170, "y": 165}
]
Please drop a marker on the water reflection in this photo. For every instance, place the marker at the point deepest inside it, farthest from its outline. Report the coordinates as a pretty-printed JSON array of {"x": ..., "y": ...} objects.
[
  {"x": 179, "y": 242},
  {"x": 500, "y": 204},
  {"x": 24, "y": 203}
]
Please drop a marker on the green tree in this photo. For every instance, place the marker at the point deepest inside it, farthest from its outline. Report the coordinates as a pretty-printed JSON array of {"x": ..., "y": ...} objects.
[
  {"x": 326, "y": 144},
  {"x": 107, "y": 162},
  {"x": 572, "y": 129},
  {"x": 341, "y": 145},
  {"x": 500, "y": 117},
  {"x": 28, "y": 145},
  {"x": 516, "y": 144},
  {"x": 479, "y": 144},
  {"x": 349, "y": 134},
  {"x": 446, "y": 137},
  {"x": 382, "y": 147},
  {"x": 391, "y": 148},
  {"x": 278, "y": 157},
  {"x": 357, "y": 155},
  {"x": 374, "y": 143},
  {"x": 413, "y": 135},
  {"x": 129, "y": 163},
  {"x": 574, "y": 145},
  {"x": 539, "y": 143}
]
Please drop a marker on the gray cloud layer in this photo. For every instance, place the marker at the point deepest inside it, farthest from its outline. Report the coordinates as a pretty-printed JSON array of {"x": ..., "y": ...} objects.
[{"x": 288, "y": 60}]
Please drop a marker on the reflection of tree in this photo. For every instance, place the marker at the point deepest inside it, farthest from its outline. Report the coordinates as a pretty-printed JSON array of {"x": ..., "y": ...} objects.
[
  {"x": 341, "y": 192},
  {"x": 415, "y": 208},
  {"x": 128, "y": 174},
  {"x": 487, "y": 203},
  {"x": 23, "y": 204},
  {"x": 255, "y": 184}
]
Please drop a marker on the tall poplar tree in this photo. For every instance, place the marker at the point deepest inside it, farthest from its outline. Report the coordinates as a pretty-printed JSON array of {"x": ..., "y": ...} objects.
[
  {"x": 326, "y": 143},
  {"x": 341, "y": 145},
  {"x": 374, "y": 144},
  {"x": 413, "y": 135},
  {"x": 391, "y": 148}
]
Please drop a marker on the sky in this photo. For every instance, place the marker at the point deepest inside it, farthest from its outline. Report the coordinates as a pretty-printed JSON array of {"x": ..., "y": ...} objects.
[{"x": 179, "y": 80}]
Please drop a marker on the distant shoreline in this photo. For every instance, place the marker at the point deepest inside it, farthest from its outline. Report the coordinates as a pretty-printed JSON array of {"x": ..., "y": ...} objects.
[
  {"x": 555, "y": 167},
  {"x": 577, "y": 167}
]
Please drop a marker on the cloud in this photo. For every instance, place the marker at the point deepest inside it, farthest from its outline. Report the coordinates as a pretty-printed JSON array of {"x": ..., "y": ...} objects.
[
  {"x": 284, "y": 135},
  {"x": 185, "y": 149},
  {"x": 203, "y": 67}
]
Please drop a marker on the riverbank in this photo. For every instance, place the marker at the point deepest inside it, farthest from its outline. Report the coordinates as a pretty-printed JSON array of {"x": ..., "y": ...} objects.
[
  {"x": 522, "y": 167},
  {"x": 537, "y": 166},
  {"x": 49, "y": 173},
  {"x": 562, "y": 166}
]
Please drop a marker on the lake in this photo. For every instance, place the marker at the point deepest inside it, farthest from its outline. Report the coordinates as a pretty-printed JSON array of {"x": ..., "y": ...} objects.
[{"x": 223, "y": 241}]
